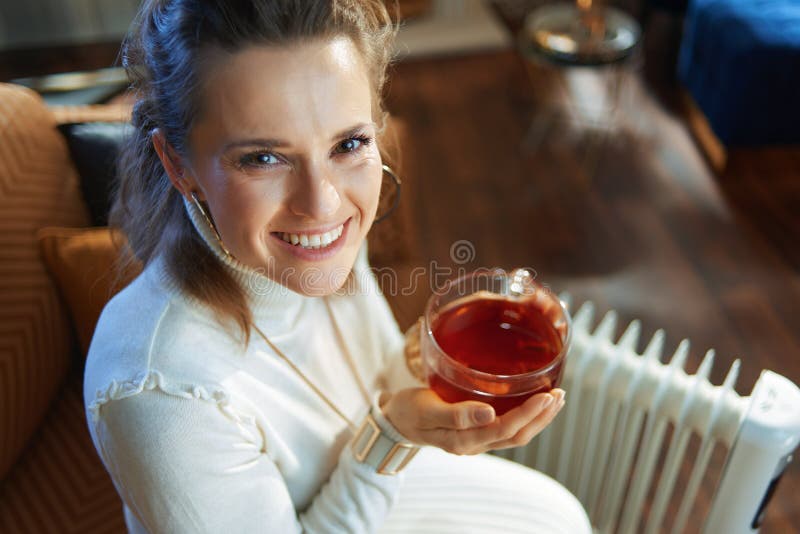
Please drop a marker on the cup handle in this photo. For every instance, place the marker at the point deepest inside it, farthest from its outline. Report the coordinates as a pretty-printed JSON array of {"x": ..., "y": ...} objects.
[{"x": 521, "y": 284}]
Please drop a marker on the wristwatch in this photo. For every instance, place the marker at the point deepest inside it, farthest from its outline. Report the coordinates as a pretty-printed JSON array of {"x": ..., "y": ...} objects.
[{"x": 386, "y": 451}]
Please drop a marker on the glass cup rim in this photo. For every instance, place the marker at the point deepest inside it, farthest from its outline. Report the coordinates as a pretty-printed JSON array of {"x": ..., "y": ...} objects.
[{"x": 482, "y": 375}]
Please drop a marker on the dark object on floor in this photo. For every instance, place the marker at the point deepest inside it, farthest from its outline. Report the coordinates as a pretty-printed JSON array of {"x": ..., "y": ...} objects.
[{"x": 740, "y": 61}]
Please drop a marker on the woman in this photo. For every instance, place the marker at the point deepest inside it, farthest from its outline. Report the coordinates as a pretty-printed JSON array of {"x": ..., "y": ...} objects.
[{"x": 226, "y": 385}]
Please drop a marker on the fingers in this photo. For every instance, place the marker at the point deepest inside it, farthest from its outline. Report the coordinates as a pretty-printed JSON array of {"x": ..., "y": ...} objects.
[
  {"x": 502, "y": 429},
  {"x": 533, "y": 428},
  {"x": 424, "y": 418},
  {"x": 438, "y": 414},
  {"x": 469, "y": 427}
]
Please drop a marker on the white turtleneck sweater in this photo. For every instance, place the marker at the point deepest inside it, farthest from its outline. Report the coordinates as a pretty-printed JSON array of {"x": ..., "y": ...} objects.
[{"x": 201, "y": 435}]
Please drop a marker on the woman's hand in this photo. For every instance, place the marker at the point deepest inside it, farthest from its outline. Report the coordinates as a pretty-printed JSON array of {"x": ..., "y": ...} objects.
[{"x": 468, "y": 427}]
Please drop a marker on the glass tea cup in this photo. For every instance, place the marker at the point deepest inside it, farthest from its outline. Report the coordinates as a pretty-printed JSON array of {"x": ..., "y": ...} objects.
[{"x": 494, "y": 336}]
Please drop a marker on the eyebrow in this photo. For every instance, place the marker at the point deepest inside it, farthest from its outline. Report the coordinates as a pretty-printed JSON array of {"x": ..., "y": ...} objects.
[{"x": 278, "y": 143}]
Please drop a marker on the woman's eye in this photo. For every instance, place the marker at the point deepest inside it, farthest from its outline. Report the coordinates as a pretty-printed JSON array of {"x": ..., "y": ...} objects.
[
  {"x": 352, "y": 144},
  {"x": 259, "y": 159}
]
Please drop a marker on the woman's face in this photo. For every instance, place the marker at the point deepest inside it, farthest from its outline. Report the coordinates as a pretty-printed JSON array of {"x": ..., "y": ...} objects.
[{"x": 285, "y": 156}]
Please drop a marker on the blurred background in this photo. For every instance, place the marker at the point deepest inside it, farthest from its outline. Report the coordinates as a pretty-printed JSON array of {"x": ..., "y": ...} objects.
[{"x": 641, "y": 154}]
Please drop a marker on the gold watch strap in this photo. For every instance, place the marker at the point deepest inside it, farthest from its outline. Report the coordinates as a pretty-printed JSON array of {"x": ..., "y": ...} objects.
[{"x": 374, "y": 447}]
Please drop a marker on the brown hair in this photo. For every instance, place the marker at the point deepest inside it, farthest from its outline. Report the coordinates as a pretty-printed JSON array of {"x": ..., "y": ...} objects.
[{"x": 163, "y": 54}]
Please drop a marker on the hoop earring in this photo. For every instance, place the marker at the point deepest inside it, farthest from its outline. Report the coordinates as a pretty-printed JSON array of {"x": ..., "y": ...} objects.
[
  {"x": 210, "y": 224},
  {"x": 397, "y": 184}
]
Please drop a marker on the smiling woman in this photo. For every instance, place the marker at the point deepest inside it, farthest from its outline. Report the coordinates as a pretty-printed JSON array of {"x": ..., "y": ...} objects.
[
  {"x": 252, "y": 378},
  {"x": 286, "y": 149}
]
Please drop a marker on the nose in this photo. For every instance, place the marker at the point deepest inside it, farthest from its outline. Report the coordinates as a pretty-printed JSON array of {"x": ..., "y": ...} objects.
[{"x": 315, "y": 196}]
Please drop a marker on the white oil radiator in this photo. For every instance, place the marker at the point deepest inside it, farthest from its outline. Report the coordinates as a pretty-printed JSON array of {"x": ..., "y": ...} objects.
[{"x": 609, "y": 445}]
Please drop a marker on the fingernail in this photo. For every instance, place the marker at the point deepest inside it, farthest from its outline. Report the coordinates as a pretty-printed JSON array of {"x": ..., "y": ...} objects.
[
  {"x": 548, "y": 401},
  {"x": 483, "y": 415}
]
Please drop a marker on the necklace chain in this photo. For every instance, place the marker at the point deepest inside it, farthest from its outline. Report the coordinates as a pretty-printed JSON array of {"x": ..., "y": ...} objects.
[
  {"x": 313, "y": 386},
  {"x": 347, "y": 354},
  {"x": 283, "y": 356}
]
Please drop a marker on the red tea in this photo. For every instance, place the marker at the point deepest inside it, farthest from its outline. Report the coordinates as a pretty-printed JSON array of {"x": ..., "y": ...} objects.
[{"x": 500, "y": 337}]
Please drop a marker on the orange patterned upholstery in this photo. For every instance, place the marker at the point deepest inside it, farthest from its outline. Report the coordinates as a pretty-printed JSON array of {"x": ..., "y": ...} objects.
[
  {"x": 51, "y": 479},
  {"x": 83, "y": 262},
  {"x": 39, "y": 188},
  {"x": 59, "y": 485}
]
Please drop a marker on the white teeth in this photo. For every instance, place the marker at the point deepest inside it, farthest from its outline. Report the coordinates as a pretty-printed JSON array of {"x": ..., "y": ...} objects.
[
  {"x": 313, "y": 240},
  {"x": 326, "y": 239}
]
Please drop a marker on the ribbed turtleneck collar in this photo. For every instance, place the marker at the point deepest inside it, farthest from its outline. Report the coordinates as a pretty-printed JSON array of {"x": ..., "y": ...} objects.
[{"x": 265, "y": 295}]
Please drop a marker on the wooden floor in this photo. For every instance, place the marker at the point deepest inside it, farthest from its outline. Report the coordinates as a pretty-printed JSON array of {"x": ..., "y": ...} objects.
[{"x": 644, "y": 229}]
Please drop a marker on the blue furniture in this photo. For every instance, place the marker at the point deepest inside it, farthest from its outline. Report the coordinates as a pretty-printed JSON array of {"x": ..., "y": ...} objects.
[{"x": 740, "y": 61}]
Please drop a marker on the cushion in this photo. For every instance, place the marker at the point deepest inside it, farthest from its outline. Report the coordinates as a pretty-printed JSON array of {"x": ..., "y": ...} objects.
[
  {"x": 39, "y": 188},
  {"x": 83, "y": 263},
  {"x": 94, "y": 147}
]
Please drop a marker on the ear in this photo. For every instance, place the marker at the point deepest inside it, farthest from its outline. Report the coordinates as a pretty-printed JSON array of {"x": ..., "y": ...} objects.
[{"x": 181, "y": 180}]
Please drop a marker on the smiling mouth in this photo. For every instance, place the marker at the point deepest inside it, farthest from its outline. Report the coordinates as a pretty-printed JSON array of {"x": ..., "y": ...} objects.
[{"x": 313, "y": 241}]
